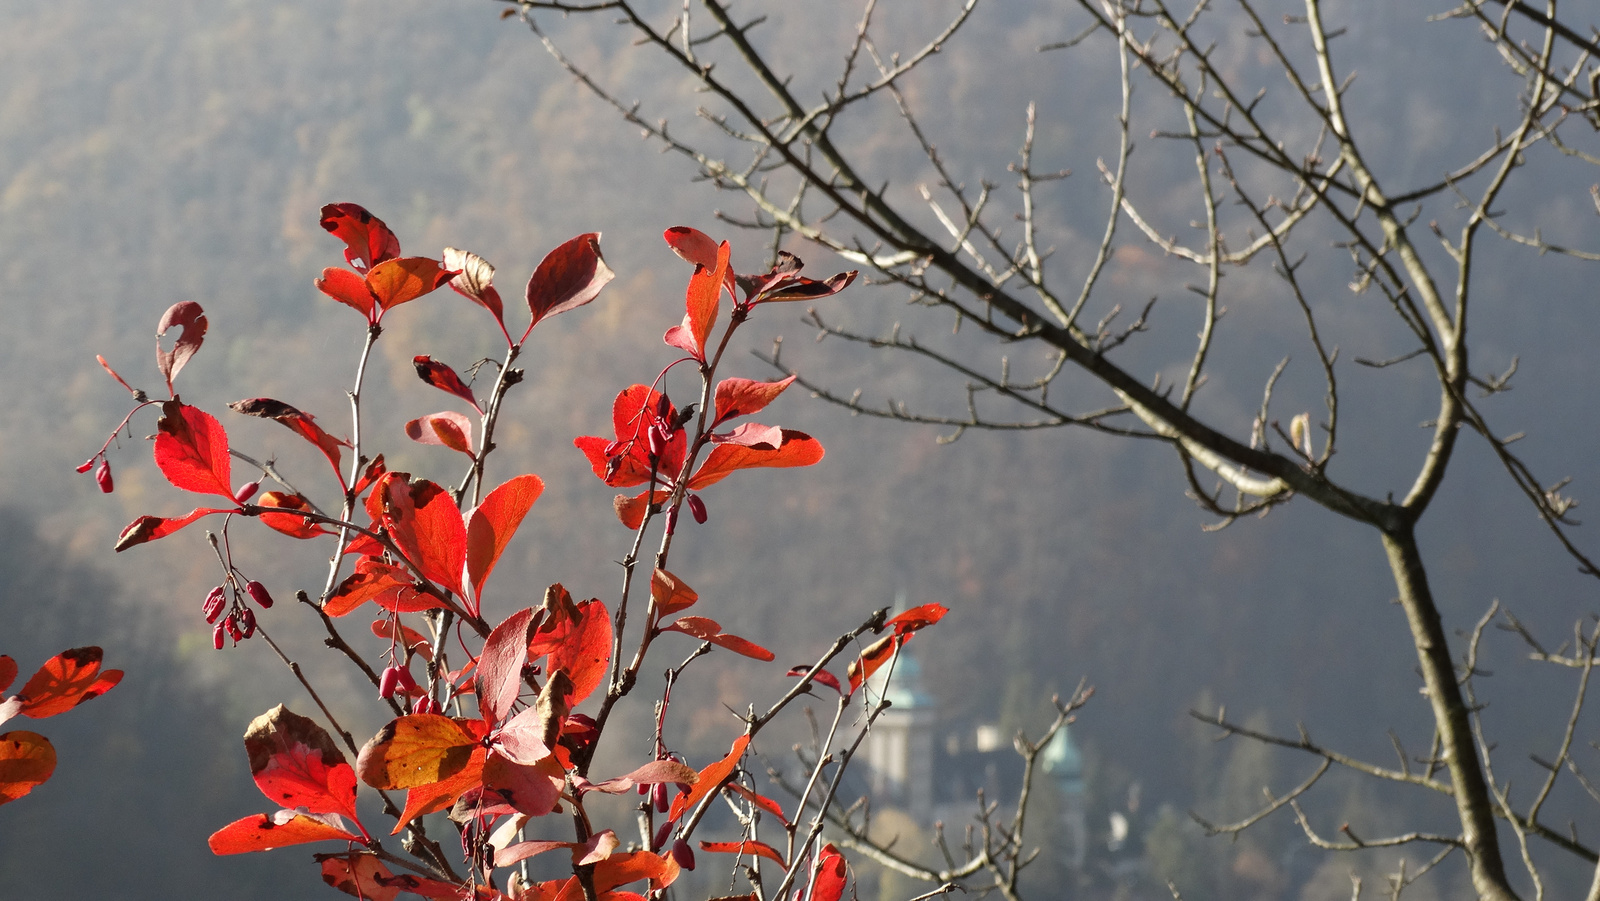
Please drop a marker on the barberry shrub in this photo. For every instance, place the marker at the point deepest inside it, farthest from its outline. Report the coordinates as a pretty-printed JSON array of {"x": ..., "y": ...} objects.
[{"x": 495, "y": 724}]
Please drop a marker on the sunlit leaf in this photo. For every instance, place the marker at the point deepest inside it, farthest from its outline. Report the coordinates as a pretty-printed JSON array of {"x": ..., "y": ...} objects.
[
  {"x": 475, "y": 281},
  {"x": 26, "y": 760},
  {"x": 586, "y": 652},
  {"x": 743, "y": 397},
  {"x": 759, "y": 800},
  {"x": 758, "y": 849},
  {"x": 302, "y": 424},
  {"x": 821, "y": 676},
  {"x": 426, "y": 525},
  {"x": 567, "y": 278},
  {"x": 491, "y": 524},
  {"x": 361, "y": 875},
  {"x": 349, "y": 289},
  {"x": 702, "y": 300},
  {"x": 65, "y": 681},
  {"x": 425, "y": 799},
  {"x": 652, "y": 773},
  {"x": 499, "y": 678},
  {"x": 917, "y": 618},
  {"x": 368, "y": 240},
  {"x": 188, "y": 316},
  {"x": 631, "y": 510},
  {"x": 391, "y": 628},
  {"x": 708, "y": 630},
  {"x": 394, "y": 282},
  {"x": 832, "y": 872},
  {"x": 418, "y": 749},
  {"x": 191, "y": 448},
  {"x": 446, "y": 429},
  {"x": 290, "y": 523},
  {"x": 263, "y": 832},
  {"x": 532, "y": 789},
  {"x": 797, "y": 449},
  {"x": 149, "y": 528},
  {"x": 711, "y": 779},
  {"x": 391, "y": 586},
  {"x": 296, "y": 764},
  {"x": 670, "y": 593},
  {"x": 442, "y": 377},
  {"x": 876, "y": 655}
]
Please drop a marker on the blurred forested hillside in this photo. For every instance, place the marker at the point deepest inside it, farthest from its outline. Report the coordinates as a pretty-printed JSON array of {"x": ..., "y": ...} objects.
[{"x": 169, "y": 150}]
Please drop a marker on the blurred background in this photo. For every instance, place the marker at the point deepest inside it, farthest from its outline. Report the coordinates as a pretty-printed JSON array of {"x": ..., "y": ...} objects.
[{"x": 174, "y": 150}]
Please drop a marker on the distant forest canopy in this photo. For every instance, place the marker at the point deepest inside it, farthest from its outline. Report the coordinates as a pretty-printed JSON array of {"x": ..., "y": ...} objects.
[{"x": 168, "y": 150}]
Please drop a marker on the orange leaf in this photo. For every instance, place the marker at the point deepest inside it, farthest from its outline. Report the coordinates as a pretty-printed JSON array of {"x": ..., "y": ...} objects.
[
  {"x": 743, "y": 397},
  {"x": 708, "y": 630},
  {"x": 877, "y": 654},
  {"x": 425, "y": 799},
  {"x": 446, "y": 429},
  {"x": 191, "y": 448},
  {"x": 631, "y": 510},
  {"x": 586, "y": 652},
  {"x": 262, "y": 832},
  {"x": 670, "y": 593},
  {"x": 347, "y": 288},
  {"x": 917, "y": 618},
  {"x": 491, "y": 524},
  {"x": 392, "y": 586},
  {"x": 63, "y": 682},
  {"x": 390, "y": 627},
  {"x": 632, "y": 866},
  {"x": 759, "y": 849},
  {"x": 394, "y": 282},
  {"x": 288, "y": 523},
  {"x": 425, "y": 523},
  {"x": 796, "y": 449},
  {"x": 26, "y": 760},
  {"x": 711, "y": 779},
  {"x": 295, "y": 764},
  {"x": 419, "y": 749},
  {"x": 362, "y": 875},
  {"x": 702, "y": 300},
  {"x": 759, "y": 800}
]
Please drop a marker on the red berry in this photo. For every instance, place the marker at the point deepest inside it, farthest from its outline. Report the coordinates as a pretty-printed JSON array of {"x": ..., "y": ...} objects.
[
  {"x": 387, "y": 683},
  {"x": 247, "y": 622},
  {"x": 216, "y": 636},
  {"x": 214, "y": 603},
  {"x": 662, "y": 834},
  {"x": 246, "y": 492},
  {"x": 658, "y": 796},
  {"x": 258, "y": 593},
  {"x": 86, "y": 465},
  {"x": 103, "y": 476},
  {"x": 672, "y": 520},
  {"x": 683, "y": 854},
  {"x": 698, "y": 508}
]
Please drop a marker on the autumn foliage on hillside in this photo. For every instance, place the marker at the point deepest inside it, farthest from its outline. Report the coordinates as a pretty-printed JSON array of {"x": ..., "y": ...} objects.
[{"x": 494, "y": 723}]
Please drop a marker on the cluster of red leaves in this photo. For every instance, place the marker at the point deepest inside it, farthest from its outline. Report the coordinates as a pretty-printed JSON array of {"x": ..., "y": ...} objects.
[{"x": 64, "y": 681}]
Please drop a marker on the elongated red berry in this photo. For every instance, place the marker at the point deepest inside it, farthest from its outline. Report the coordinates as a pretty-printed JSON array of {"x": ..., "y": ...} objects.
[
  {"x": 662, "y": 834},
  {"x": 672, "y": 520},
  {"x": 102, "y": 476},
  {"x": 246, "y": 492},
  {"x": 258, "y": 593},
  {"x": 698, "y": 508},
  {"x": 214, "y": 604},
  {"x": 683, "y": 854},
  {"x": 388, "y": 681},
  {"x": 231, "y": 623},
  {"x": 658, "y": 797},
  {"x": 247, "y": 622},
  {"x": 86, "y": 465},
  {"x": 216, "y": 636}
]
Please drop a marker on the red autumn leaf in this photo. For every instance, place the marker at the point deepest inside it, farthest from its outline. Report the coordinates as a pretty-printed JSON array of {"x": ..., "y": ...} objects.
[
  {"x": 711, "y": 779},
  {"x": 424, "y": 522},
  {"x": 829, "y": 880},
  {"x": 821, "y": 676},
  {"x": 783, "y": 287},
  {"x": 522, "y": 739},
  {"x": 391, "y": 628},
  {"x": 796, "y": 449},
  {"x": 264, "y": 832},
  {"x": 390, "y": 585},
  {"x": 743, "y": 397},
  {"x": 499, "y": 678},
  {"x": 368, "y": 240},
  {"x": 631, "y": 414},
  {"x": 26, "y": 760},
  {"x": 491, "y": 524},
  {"x": 759, "y": 800},
  {"x": 631, "y": 510},
  {"x": 567, "y": 278},
  {"x": 289, "y": 523},
  {"x": 296, "y": 764},
  {"x": 446, "y": 429},
  {"x": 586, "y": 652},
  {"x": 652, "y": 773},
  {"x": 444, "y": 378},
  {"x": 917, "y": 618},
  {"x": 876, "y": 655},
  {"x": 149, "y": 528},
  {"x": 475, "y": 281},
  {"x": 394, "y": 282},
  {"x": 191, "y": 448},
  {"x": 759, "y": 849},
  {"x": 361, "y": 875},
  {"x": 521, "y": 851},
  {"x": 531, "y": 788},
  {"x": 188, "y": 316},
  {"x": 65, "y": 681},
  {"x": 349, "y": 289},
  {"x": 670, "y": 593},
  {"x": 302, "y": 424},
  {"x": 708, "y": 630},
  {"x": 632, "y": 866},
  {"x": 370, "y": 475},
  {"x": 703, "y": 298},
  {"x": 419, "y": 749},
  {"x": 8, "y": 671},
  {"x": 693, "y": 245}
]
